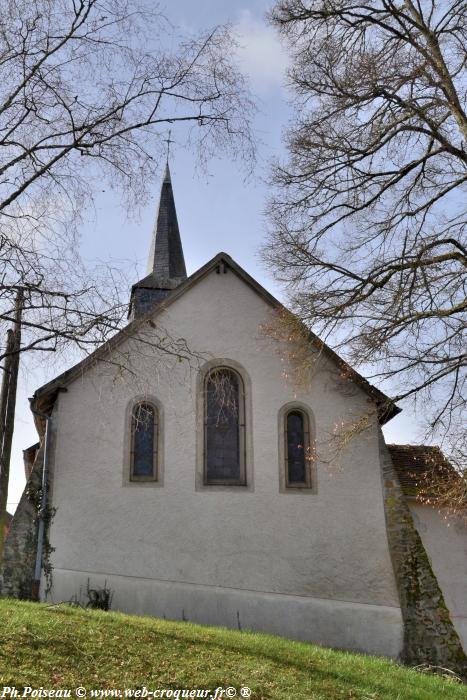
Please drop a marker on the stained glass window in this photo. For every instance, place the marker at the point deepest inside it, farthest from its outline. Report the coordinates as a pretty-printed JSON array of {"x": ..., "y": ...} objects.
[
  {"x": 297, "y": 448},
  {"x": 224, "y": 427},
  {"x": 144, "y": 441}
]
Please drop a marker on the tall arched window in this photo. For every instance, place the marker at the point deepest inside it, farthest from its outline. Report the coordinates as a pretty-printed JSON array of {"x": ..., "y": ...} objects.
[
  {"x": 224, "y": 427},
  {"x": 144, "y": 439},
  {"x": 297, "y": 449}
]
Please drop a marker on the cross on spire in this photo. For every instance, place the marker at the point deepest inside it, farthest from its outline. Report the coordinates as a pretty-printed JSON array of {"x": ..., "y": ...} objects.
[{"x": 168, "y": 141}]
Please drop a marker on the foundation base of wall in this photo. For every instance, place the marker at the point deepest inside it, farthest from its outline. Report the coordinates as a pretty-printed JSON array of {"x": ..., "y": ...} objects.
[{"x": 372, "y": 629}]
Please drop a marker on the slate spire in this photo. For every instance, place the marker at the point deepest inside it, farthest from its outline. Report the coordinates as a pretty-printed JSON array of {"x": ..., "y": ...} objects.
[{"x": 166, "y": 261}]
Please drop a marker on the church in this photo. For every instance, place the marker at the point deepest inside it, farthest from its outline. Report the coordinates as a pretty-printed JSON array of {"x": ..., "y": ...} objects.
[{"x": 180, "y": 470}]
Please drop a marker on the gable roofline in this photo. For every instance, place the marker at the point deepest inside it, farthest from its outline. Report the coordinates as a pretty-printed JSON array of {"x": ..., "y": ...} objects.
[{"x": 44, "y": 397}]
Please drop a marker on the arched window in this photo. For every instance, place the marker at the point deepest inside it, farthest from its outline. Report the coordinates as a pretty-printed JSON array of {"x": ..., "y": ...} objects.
[
  {"x": 144, "y": 439},
  {"x": 224, "y": 427},
  {"x": 297, "y": 449}
]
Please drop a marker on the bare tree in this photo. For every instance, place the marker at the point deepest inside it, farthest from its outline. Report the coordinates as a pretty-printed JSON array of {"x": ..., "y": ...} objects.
[
  {"x": 88, "y": 89},
  {"x": 368, "y": 216}
]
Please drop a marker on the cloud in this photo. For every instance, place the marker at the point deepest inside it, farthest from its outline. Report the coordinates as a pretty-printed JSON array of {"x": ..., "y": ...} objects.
[{"x": 260, "y": 53}]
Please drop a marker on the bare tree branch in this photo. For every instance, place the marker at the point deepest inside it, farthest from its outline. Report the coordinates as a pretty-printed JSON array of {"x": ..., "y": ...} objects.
[
  {"x": 87, "y": 90},
  {"x": 368, "y": 216}
]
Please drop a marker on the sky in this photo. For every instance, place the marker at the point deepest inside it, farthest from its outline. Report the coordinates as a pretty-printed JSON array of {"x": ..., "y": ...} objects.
[{"x": 221, "y": 210}]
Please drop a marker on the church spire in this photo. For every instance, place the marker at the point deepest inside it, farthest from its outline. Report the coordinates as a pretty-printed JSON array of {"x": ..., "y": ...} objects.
[
  {"x": 166, "y": 264},
  {"x": 166, "y": 261}
]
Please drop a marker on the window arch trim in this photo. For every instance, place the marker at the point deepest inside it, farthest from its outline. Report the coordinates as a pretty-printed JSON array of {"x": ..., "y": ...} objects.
[
  {"x": 309, "y": 484},
  {"x": 157, "y": 477}
]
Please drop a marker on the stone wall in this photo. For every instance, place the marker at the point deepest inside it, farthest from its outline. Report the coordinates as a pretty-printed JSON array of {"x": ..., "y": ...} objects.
[
  {"x": 445, "y": 540},
  {"x": 429, "y": 635},
  {"x": 17, "y": 575}
]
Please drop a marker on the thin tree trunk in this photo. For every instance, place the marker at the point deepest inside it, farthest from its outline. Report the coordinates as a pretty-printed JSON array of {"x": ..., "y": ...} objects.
[{"x": 7, "y": 411}]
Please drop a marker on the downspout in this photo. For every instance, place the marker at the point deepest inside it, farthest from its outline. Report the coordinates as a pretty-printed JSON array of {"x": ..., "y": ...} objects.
[{"x": 43, "y": 505}]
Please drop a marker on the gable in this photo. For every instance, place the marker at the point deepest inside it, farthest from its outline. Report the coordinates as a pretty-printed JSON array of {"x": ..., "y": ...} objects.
[{"x": 221, "y": 264}]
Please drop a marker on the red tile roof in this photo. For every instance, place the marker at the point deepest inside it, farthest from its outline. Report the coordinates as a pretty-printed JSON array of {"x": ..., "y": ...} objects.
[{"x": 417, "y": 464}]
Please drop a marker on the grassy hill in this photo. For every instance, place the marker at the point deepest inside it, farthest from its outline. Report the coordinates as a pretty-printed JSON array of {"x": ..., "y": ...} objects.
[{"x": 64, "y": 647}]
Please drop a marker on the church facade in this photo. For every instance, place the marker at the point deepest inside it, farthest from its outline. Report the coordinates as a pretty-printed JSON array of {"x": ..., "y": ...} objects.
[{"x": 187, "y": 474}]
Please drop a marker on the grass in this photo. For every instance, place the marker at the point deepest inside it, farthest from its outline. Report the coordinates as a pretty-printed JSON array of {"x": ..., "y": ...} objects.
[{"x": 65, "y": 647}]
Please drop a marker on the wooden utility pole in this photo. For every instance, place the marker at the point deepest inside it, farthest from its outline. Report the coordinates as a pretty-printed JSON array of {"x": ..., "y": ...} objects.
[{"x": 7, "y": 409}]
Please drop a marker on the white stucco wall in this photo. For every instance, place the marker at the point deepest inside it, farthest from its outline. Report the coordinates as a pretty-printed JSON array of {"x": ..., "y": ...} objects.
[
  {"x": 310, "y": 566},
  {"x": 445, "y": 541}
]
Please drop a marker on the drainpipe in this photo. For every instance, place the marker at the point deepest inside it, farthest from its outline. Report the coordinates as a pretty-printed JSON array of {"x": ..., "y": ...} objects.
[{"x": 41, "y": 529}]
